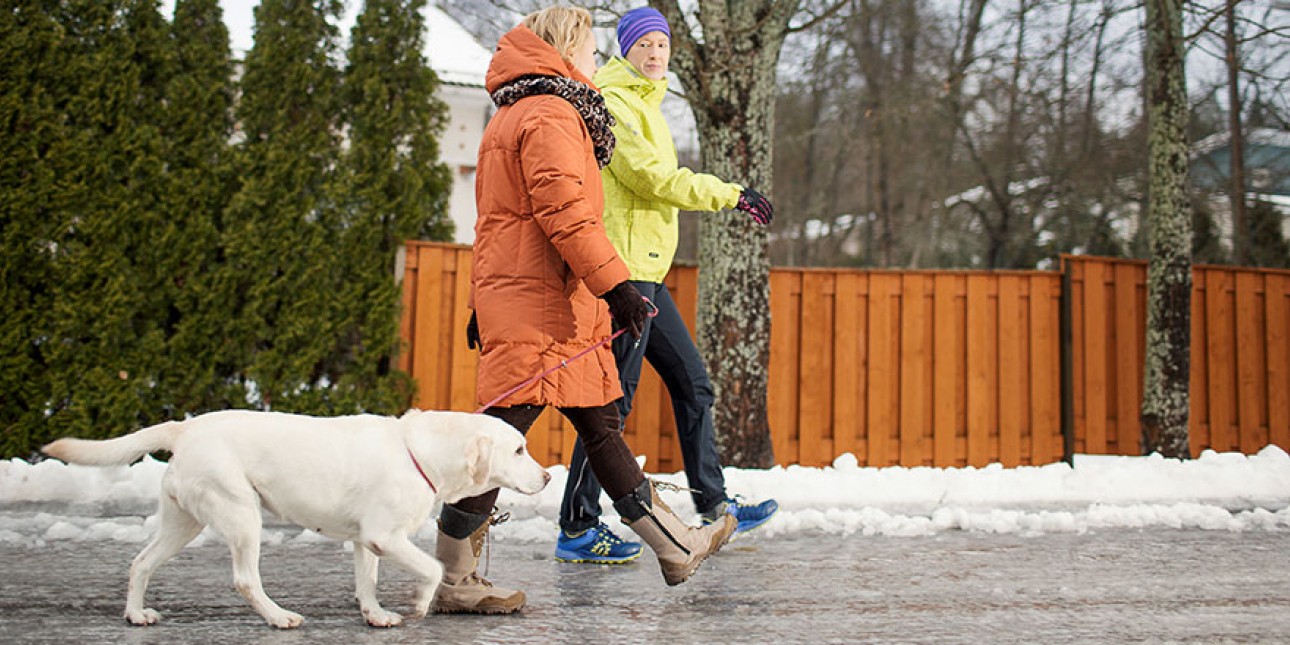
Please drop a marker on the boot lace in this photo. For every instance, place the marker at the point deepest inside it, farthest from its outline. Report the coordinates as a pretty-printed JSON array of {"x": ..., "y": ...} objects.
[
  {"x": 494, "y": 519},
  {"x": 662, "y": 485}
]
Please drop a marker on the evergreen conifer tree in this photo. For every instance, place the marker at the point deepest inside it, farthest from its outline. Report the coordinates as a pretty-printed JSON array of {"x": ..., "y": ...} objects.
[
  {"x": 1206, "y": 247},
  {"x": 35, "y": 75},
  {"x": 392, "y": 188},
  {"x": 200, "y": 372},
  {"x": 99, "y": 345},
  {"x": 1268, "y": 247},
  {"x": 281, "y": 231}
]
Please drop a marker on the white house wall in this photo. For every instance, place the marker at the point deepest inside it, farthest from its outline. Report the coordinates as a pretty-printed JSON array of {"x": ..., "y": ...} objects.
[{"x": 469, "y": 109}]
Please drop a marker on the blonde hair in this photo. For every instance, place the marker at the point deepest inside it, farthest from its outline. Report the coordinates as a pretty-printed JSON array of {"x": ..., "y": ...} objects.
[{"x": 565, "y": 28}]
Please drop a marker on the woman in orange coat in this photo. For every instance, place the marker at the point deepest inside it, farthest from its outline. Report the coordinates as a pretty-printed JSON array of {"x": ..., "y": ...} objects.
[{"x": 543, "y": 273}]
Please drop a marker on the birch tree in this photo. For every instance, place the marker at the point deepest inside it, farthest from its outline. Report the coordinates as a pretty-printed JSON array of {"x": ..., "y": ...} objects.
[{"x": 1165, "y": 391}]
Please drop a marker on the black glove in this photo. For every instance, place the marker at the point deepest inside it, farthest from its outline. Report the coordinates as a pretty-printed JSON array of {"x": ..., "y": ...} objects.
[
  {"x": 756, "y": 205},
  {"x": 472, "y": 332},
  {"x": 628, "y": 308}
]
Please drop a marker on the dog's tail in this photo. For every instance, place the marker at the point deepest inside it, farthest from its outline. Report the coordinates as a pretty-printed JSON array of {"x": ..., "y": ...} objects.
[{"x": 116, "y": 452}]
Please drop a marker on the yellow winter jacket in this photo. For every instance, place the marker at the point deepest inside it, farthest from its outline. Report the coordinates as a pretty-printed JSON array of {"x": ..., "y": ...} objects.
[{"x": 644, "y": 188}]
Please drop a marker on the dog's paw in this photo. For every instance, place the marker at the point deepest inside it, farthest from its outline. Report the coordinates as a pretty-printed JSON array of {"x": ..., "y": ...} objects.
[
  {"x": 142, "y": 617},
  {"x": 419, "y": 610},
  {"x": 421, "y": 604},
  {"x": 286, "y": 620},
  {"x": 380, "y": 618}
]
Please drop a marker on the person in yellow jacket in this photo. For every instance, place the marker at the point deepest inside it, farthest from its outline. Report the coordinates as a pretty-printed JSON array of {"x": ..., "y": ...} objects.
[{"x": 644, "y": 190}]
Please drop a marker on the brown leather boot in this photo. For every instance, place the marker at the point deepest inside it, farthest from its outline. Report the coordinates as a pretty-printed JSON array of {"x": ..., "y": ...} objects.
[
  {"x": 463, "y": 590},
  {"x": 680, "y": 548}
]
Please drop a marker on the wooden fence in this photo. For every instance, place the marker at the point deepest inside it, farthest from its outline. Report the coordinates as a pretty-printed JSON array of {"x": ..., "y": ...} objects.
[
  {"x": 917, "y": 368},
  {"x": 1240, "y": 356}
]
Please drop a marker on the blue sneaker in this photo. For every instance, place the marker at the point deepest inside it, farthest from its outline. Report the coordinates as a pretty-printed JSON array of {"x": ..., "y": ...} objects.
[
  {"x": 750, "y": 516},
  {"x": 598, "y": 545}
]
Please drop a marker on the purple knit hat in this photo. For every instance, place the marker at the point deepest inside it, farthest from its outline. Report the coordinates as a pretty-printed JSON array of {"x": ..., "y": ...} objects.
[{"x": 637, "y": 23}]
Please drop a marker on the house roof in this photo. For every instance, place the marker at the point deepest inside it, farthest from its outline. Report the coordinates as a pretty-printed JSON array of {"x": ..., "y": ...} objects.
[
  {"x": 1258, "y": 136},
  {"x": 452, "y": 52}
]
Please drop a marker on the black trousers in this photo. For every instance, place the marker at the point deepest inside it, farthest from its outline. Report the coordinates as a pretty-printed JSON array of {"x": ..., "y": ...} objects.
[{"x": 667, "y": 345}]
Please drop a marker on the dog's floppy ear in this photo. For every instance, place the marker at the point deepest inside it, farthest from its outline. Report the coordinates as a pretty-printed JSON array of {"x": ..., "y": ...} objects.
[{"x": 479, "y": 458}]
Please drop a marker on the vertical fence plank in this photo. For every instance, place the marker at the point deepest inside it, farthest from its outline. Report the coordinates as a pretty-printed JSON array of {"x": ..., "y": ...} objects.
[
  {"x": 1078, "y": 411},
  {"x": 991, "y": 357},
  {"x": 947, "y": 319},
  {"x": 1025, "y": 397},
  {"x": 883, "y": 368},
  {"x": 1045, "y": 371},
  {"x": 847, "y": 364},
  {"x": 961, "y": 372},
  {"x": 1128, "y": 365},
  {"x": 1095, "y": 355},
  {"x": 913, "y": 369},
  {"x": 927, "y": 454},
  {"x": 784, "y": 336},
  {"x": 1011, "y": 377},
  {"x": 408, "y": 315},
  {"x": 1221, "y": 353},
  {"x": 816, "y": 371},
  {"x": 561, "y": 436},
  {"x": 428, "y": 326},
  {"x": 1278, "y": 343},
  {"x": 1198, "y": 391},
  {"x": 1250, "y": 370},
  {"x": 465, "y": 361},
  {"x": 978, "y": 371}
]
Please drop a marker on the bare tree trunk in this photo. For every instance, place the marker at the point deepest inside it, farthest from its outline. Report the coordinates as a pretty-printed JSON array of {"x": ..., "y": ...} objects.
[
  {"x": 729, "y": 78},
  {"x": 815, "y": 195},
  {"x": 962, "y": 56},
  {"x": 1165, "y": 398},
  {"x": 1236, "y": 187},
  {"x": 867, "y": 39},
  {"x": 958, "y": 65},
  {"x": 1090, "y": 105},
  {"x": 1007, "y": 250}
]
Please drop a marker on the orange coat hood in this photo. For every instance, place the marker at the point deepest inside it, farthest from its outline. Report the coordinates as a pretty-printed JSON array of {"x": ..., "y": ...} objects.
[{"x": 522, "y": 53}]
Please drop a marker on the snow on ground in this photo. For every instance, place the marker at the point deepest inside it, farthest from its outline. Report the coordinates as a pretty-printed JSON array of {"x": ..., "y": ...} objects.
[{"x": 50, "y": 501}]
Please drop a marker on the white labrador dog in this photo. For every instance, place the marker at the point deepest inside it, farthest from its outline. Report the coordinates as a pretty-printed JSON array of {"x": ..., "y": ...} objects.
[{"x": 370, "y": 479}]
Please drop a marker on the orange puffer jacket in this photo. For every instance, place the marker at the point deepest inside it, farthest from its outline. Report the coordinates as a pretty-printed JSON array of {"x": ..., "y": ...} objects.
[{"x": 541, "y": 253}]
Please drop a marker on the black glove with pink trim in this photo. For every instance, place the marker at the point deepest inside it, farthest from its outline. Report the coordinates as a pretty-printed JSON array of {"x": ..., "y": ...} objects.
[{"x": 756, "y": 205}]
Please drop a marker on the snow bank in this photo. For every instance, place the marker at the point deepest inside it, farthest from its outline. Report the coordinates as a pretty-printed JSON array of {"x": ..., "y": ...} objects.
[{"x": 1218, "y": 491}]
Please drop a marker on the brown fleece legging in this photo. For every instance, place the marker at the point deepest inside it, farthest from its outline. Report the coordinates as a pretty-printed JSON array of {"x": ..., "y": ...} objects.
[{"x": 601, "y": 436}]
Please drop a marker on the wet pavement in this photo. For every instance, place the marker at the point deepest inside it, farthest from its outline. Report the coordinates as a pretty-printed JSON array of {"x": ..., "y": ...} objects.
[{"x": 1106, "y": 586}]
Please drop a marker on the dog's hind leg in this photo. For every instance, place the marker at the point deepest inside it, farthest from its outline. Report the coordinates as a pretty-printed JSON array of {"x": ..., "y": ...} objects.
[
  {"x": 175, "y": 528},
  {"x": 366, "y": 565},
  {"x": 403, "y": 552},
  {"x": 239, "y": 523}
]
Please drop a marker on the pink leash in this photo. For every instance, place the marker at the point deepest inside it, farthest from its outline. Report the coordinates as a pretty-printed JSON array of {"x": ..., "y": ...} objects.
[{"x": 565, "y": 363}]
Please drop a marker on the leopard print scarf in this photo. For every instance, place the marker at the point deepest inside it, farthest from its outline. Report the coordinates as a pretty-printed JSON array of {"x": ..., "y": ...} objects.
[{"x": 587, "y": 101}]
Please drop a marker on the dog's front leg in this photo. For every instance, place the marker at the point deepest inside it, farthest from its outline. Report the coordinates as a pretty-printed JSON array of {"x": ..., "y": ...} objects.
[
  {"x": 366, "y": 566},
  {"x": 402, "y": 551}
]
